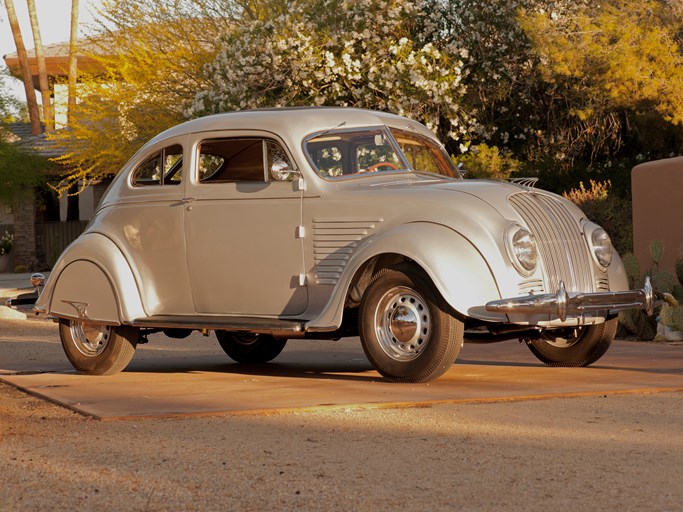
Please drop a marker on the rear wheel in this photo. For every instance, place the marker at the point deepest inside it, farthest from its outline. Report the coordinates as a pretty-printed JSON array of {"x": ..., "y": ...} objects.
[
  {"x": 405, "y": 327},
  {"x": 250, "y": 348},
  {"x": 575, "y": 347},
  {"x": 98, "y": 349}
]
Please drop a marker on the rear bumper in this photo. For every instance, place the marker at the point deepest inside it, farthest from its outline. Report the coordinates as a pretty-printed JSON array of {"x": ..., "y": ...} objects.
[{"x": 564, "y": 304}]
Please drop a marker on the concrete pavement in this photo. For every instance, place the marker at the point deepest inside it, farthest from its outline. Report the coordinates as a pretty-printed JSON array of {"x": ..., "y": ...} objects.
[
  {"x": 12, "y": 282},
  {"x": 12, "y": 285},
  {"x": 171, "y": 378}
]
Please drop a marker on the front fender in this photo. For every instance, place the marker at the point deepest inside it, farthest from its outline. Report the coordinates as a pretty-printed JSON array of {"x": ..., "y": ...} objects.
[
  {"x": 618, "y": 280},
  {"x": 455, "y": 266},
  {"x": 92, "y": 280}
]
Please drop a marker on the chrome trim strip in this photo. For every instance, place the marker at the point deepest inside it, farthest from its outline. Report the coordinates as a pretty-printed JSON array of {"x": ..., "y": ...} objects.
[
  {"x": 565, "y": 304},
  {"x": 228, "y": 323}
]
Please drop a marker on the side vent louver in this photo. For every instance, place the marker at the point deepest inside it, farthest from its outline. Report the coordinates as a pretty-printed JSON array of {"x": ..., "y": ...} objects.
[{"x": 334, "y": 242}]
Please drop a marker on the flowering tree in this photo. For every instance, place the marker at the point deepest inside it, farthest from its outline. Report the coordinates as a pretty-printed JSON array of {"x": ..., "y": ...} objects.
[
  {"x": 505, "y": 91},
  {"x": 151, "y": 66},
  {"x": 542, "y": 87},
  {"x": 371, "y": 54}
]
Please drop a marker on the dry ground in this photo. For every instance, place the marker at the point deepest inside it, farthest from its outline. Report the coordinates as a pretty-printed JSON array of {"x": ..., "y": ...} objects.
[{"x": 621, "y": 452}]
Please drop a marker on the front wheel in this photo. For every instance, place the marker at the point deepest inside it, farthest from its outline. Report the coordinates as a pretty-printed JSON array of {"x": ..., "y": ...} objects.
[
  {"x": 98, "y": 349},
  {"x": 577, "y": 347},
  {"x": 250, "y": 348},
  {"x": 406, "y": 329}
]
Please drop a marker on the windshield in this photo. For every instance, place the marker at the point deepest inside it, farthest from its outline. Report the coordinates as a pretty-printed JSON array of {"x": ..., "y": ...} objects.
[
  {"x": 346, "y": 153},
  {"x": 424, "y": 155}
]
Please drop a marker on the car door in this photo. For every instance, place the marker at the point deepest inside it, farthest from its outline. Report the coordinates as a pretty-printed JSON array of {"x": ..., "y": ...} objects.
[
  {"x": 242, "y": 223},
  {"x": 147, "y": 225}
]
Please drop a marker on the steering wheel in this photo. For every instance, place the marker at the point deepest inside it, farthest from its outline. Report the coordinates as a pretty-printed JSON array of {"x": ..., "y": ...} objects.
[{"x": 382, "y": 164}]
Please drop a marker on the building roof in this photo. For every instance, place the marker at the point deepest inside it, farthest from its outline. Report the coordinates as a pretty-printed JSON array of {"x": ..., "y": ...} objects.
[
  {"x": 20, "y": 134},
  {"x": 57, "y": 59}
]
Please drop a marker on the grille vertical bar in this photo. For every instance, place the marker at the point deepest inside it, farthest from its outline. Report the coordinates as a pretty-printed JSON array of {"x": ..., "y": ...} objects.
[{"x": 561, "y": 245}]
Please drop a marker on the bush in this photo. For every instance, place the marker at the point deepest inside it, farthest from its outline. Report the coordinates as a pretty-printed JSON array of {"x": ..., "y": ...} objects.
[
  {"x": 611, "y": 212},
  {"x": 489, "y": 162}
]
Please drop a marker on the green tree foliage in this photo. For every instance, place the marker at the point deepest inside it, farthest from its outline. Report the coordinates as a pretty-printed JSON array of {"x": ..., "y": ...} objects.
[
  {"x": 489, "y": 162},
  {"x": 565, "y": 90},
  {"x": 21, "y": 170},
  {"x": 616, "y": 71},
  {"x": 11, "y": 109},
  {"x": 504, "y": 90}
]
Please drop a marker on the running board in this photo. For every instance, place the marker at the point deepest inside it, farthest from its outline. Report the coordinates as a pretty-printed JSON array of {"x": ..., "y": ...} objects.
[{"x": 225, "y": 323}]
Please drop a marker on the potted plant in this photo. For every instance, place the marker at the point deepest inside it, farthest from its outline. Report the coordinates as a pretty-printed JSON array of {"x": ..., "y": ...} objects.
[{"x": 6, "y": 242}]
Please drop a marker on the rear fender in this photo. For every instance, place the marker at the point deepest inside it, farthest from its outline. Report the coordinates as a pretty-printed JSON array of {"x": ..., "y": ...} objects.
[
  {"x": 92, "y": 280},
  {"x": 455, "y": 266}
]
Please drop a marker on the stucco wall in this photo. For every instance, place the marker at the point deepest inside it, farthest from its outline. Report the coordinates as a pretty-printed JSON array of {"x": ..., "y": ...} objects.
[{"x": 657, "y": 189}]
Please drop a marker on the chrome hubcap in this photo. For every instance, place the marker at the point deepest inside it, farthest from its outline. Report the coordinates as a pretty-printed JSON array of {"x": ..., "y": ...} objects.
[
  {"x": 90, "y": 339},
  {"x": 246, "y": 338},
  {"x": 572, "y": 337},
  {"x": 402, "y": 324}
]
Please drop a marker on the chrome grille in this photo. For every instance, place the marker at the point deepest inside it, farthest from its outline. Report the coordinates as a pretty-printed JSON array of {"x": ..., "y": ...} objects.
[
  {"x": 561, "y": 244},
  {"x": 531, "y": 286},
  {"x": 602, "y": 284}
]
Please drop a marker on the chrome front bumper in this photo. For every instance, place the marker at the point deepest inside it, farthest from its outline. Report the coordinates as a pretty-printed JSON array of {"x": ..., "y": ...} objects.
[{"x": 564, "y": 304}]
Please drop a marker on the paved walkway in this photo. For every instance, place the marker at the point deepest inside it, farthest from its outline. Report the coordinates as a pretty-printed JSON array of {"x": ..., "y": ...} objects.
[
  {"x": 11, "y": 282},
  {"x": 193, "y": 377},
  {"x": 12, "y": 285}
]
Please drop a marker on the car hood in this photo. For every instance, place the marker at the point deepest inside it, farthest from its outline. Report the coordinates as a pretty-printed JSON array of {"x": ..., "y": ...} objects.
[{"x": 494, "y": 194}]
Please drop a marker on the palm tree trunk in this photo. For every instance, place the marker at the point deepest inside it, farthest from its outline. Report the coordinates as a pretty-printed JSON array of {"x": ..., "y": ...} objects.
[
  {"x": 31, "y": 100},
  {"x": 73, "y": 61},
  {"x": 42, "y": 69},
  {"x": 73, "y": 198}
]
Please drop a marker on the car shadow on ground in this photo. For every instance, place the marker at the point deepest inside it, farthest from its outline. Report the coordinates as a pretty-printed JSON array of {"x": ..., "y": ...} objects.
[
  {"x": 27, "y": 353},
  {"x": 322, "y": 370}
]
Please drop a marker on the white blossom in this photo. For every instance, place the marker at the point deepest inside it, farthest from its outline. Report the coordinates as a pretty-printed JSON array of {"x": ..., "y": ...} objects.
[{"x": 360, "y": 53}]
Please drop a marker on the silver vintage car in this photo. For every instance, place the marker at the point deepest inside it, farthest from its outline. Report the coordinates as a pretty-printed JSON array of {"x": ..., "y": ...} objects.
[{"x": 322, "y": 223}]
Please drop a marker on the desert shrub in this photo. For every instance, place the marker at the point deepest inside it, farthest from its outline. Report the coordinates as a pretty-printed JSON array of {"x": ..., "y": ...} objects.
[
  {"x": 489, "y": 162},
  {"x": 608, "y": 210}
]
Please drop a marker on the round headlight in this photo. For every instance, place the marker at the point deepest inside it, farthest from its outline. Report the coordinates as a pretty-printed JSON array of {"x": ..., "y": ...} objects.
[
  {"x": 523, "y": 250},
  {"x": 602, "y": 247}
]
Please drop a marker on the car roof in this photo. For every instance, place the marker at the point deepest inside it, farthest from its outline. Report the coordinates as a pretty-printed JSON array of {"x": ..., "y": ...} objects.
[{"x": 294, "y": 122}]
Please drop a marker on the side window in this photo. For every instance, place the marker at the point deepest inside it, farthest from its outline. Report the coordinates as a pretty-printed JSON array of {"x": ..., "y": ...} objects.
[
  {"x": 162, "y": 168},
  {"x": 209, "y": 165},
  {"x": 242, "y": 159},
  {"x": 173, "y": 165},
  {"x": 420, "y": 156},
  {"x": 148, "y": 172}
]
